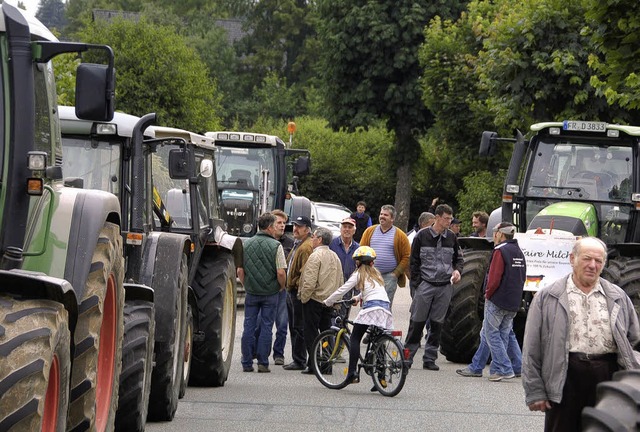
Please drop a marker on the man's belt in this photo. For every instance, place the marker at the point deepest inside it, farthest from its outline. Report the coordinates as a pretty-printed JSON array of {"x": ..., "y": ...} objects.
[
  {"x": 593, "y": 357},
  {"x": 438, "y": 283}
]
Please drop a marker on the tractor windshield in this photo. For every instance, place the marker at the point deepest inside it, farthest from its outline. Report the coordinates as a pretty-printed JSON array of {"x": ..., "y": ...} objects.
[
  {"x": 599, "y": 174},
  {"x": 582, "y": 172},
  {"x": 241, "y": 172},
  {"x": 96, "y": 162}
]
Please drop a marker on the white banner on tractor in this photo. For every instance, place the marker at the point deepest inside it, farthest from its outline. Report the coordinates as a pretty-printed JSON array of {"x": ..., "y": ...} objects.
[{"x": 547, "y": 258}]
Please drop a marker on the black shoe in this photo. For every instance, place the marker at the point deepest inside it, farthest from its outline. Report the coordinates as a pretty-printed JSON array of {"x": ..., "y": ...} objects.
[
  {"x": 430, "y": 366},
  {"x": 247, "y": 369},
  {"x": 307, "y": 371},
  {"x": 353, "y": 378},
  {"x": 293, "y": 366}
]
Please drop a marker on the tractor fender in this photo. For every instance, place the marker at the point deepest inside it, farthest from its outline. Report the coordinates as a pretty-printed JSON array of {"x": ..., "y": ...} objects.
[
  {"x": 181, "y": 242},
  {"x": 135, "y": 291},
  {"x": 91, "y": 209},
  {"x": 164, "y": 258},
  {"x": 36, "y": 285}
]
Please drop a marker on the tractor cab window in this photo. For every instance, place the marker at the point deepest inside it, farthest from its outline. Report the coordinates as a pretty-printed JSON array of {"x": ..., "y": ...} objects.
[
  {"x": 574, "y": 171},
  {"x": 242, "y": 173},
  {"x": 96, "y": 162},
  {"x": 46, "y": 131},
  {"x": 174, "y": 193}
]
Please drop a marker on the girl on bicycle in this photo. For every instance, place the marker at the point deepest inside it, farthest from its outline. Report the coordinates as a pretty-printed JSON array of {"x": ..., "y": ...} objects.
[{"x": 376, "y": 309}]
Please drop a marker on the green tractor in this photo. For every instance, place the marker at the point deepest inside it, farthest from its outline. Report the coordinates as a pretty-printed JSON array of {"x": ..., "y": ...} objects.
[
  {"x": 61, "y": 266},
  {"x": 174, "y": 250},
  {"x": 572, "y": 178}
]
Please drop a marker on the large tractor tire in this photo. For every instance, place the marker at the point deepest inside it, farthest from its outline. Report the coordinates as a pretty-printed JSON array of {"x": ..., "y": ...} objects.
[
  {"x": 625, "y": 272},
  {"x": 171, "y": 315},
  {"x": 98, "y": 338},
  {"x": 188, "y": 349},
  {"x": 215, "y": 289},
  {"x": 137, "y": 364},
  {"x": 35, "y": 365},
  {"x": 461, "y": 329},
  {"x": 617, "y": 404}
]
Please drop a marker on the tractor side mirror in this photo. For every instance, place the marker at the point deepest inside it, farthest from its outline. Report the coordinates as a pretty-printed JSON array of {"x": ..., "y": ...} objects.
[
  {"x": 488, "y": 143},
  {"x": 302, "y": 166},
  {"x": 180, "y": 161},
  {"x": 95, "y": 97}
]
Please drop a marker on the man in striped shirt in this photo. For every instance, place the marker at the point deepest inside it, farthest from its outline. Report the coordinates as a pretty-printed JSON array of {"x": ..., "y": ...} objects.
[{"x": 392, "y": 250}]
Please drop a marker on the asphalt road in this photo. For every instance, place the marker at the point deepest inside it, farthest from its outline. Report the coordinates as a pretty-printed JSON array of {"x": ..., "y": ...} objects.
[{"x": 288, "y": 401}]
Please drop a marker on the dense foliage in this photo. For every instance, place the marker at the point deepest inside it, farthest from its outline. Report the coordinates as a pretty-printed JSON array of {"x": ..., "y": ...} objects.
[
  {"x": 390, "y": 97},
  {"x": 158, "y": 72}
]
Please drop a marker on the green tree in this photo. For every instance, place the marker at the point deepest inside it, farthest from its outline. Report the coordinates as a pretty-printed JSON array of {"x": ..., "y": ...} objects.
[
  {"x": 277, "y": 31},
  {"x": 534, "y": 64},
  {"x": 371, "y": 72},
  {"x": 158, "y": 72},
  {"x": 346, "y": 167},
  {"x": 615, "y": 26},
  {"x": 449, "y": 59},
  {"x": 52, "y": 14},
  {"x": 65, "y": 66},
  {"x": 482, "y": 191}
]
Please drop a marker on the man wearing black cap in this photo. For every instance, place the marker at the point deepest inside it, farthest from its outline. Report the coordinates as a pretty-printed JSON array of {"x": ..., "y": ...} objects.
[
  {"x": 455, "y": 226},
  {"x": 297, "y": 258}
]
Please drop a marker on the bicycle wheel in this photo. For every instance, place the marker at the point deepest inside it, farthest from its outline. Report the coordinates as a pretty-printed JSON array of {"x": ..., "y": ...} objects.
[
  {"x": 390, "y": 368},
  {"x": 330, "y": 361}
]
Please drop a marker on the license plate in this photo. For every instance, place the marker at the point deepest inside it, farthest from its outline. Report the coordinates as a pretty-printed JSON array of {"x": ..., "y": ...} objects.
[{"x": 584, "y": 126}]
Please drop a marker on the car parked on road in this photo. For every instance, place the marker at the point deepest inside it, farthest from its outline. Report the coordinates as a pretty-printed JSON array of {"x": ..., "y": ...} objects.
[{"x": 329, "y": 215}]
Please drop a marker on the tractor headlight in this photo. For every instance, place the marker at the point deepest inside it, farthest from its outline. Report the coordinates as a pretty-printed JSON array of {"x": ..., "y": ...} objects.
[{"x": 37, "y": 161}]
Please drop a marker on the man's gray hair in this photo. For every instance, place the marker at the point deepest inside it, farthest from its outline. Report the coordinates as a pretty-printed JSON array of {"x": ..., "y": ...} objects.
[
  {"x": 324, "y": 234},
  {"x": 389, "y": 208},
  {"x": 425, "y": 218},
  {"x": 265, "y": 221},
  {"x": 578, "y": 245}
]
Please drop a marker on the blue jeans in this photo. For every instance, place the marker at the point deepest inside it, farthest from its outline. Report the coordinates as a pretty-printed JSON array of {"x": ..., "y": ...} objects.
[
  {"x": 265, "y": 306},
  {"x": 514, "y": 353},
  {"x": 481, "y": 357},
  {"x": 390, "y": 286},
  {"x": 282, "y": 323},
  {"x": 498, "y": 323}
]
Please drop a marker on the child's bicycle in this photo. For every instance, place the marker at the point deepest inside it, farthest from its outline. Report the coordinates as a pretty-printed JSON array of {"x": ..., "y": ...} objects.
[{"x": 384, "y": 359}]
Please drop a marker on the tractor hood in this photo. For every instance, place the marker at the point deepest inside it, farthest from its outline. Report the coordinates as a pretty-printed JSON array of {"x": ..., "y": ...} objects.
[{"x": 575, "y": 218}]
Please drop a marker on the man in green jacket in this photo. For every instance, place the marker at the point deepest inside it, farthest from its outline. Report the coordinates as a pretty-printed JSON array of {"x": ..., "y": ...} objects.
[{"x": 264, "y": 277}]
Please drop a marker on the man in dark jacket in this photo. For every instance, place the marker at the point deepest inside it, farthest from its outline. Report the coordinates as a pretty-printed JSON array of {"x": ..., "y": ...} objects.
[
  {"x": 436, "y": 262},
  {"x": 503, "y": 294},
  {"x": 362, "y": 219}
]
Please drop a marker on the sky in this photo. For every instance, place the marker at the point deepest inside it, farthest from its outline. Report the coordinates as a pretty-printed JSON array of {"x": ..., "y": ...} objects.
[{"x": 31, "y": 5}]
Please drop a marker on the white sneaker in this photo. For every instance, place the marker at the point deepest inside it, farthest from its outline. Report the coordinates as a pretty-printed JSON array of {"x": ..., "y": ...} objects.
[{"x": 497, "y": 377}]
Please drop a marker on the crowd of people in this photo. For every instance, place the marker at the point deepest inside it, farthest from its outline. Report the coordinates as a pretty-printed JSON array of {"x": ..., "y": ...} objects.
[{"x": 579, "y": 330}]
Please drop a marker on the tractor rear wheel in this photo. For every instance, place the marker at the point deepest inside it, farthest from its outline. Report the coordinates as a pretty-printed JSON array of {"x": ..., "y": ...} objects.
[
  {"x": 461, "y": 328},
  {"x": 625, "y": 272},
  {"x": 215, "y": 289},
  {"x": 137, "y": 364},
  {"x": 617, "y": 404},
  {"x": 98, "y": 338},
  {"x": 35, "y": 365},
  {"x": 188, "y": 348},
  {"x": 171, "y": 314}
]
